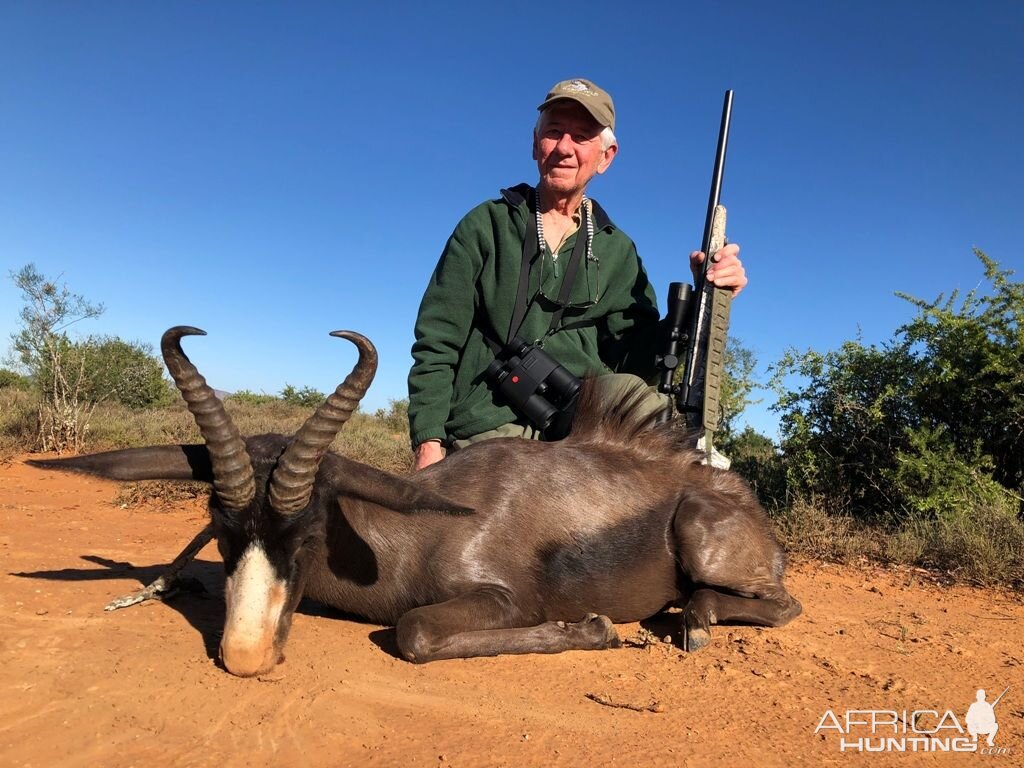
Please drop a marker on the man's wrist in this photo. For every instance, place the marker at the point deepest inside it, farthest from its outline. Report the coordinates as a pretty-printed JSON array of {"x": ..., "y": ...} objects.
[{"x": 429, "y": 452}]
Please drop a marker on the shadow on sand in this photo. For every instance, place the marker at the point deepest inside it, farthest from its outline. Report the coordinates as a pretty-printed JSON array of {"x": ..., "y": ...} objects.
[{"x": 198, "y": 598}]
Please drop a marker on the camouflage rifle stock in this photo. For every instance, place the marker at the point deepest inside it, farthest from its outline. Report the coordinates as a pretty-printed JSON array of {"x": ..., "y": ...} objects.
[{"x": 697, "y": 331}]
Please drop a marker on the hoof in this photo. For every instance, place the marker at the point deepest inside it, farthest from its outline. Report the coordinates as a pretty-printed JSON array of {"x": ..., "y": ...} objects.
[
  {"x": 600, "y": 631},
  {"x": 158, "y": 590},
  {"x": 695, "y": 639}
]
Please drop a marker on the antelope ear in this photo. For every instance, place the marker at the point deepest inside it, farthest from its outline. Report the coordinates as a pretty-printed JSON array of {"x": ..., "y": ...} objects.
[
  {"x": 393, "y": 491},
  {"x": 158, "y": 462}
]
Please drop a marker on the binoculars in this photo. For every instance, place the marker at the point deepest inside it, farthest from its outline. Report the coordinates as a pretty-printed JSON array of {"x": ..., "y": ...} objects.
[{"x": 535, "y": 386}]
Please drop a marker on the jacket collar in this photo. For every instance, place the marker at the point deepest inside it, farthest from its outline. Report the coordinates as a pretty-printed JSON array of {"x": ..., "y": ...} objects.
[{"x": 519, "y": 197}]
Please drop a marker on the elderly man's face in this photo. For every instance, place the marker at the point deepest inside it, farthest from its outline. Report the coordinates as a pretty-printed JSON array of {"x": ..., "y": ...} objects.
[{"x": 567, "y": 148}]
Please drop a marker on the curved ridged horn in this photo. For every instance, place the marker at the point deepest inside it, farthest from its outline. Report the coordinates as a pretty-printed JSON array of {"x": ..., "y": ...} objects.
[
  {"x": 292, "y": 482},
  {"x": 232, "y": 468}
]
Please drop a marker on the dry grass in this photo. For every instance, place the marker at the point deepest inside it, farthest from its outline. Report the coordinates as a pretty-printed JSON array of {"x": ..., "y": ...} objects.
[
  {"x": 808, "y": 528},
  {"x": 370, "y": 439},
  {"x": 19, "y": 428},
  {"x": 163, "y": 494},
  {"x": 381, "y": 440},
  {"x": 983, "y": 545}
]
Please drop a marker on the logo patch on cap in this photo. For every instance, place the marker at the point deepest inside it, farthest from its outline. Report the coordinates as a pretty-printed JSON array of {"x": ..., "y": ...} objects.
[
  {"x": 577, "y": 86},
  {"x": 594, "y": 100}
]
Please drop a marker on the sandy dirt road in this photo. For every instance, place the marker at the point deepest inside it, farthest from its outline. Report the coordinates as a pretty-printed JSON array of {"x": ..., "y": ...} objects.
[{"x": 142, "y": 687}]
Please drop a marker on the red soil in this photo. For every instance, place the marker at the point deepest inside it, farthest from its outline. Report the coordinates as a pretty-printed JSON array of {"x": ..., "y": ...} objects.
[{"x": 142, "y": 687}]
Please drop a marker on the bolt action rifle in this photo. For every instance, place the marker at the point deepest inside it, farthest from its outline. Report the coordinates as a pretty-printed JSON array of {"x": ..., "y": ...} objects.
[{"x": 698, "y": 320}]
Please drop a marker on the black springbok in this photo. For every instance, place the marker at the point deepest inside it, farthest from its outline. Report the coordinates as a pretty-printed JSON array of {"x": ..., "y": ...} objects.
[{"x": 509, "y": 546}]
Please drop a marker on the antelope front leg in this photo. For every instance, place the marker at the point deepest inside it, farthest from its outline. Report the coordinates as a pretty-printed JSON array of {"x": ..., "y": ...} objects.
[
  {"x": 164, "y": 585},
  {"x": 486, "y": 623}
]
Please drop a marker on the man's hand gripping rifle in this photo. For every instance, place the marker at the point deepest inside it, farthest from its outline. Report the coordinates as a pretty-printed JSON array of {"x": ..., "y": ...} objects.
[{"x": 698, "y": 321}]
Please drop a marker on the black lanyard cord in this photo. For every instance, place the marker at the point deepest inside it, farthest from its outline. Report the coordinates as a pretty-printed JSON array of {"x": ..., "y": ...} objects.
[{"x": 533, "y": 252}]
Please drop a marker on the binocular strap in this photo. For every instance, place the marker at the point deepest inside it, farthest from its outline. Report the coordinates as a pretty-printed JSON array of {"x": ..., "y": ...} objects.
[{"x": 532, "y": 252}]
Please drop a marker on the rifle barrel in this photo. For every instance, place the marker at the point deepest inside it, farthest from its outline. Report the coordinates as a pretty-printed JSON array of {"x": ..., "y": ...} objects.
[{"x": 716, "y": 176}]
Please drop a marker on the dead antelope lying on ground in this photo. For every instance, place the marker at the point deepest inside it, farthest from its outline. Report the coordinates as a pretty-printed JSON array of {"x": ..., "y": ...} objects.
[{"x": 510, "y": 546}]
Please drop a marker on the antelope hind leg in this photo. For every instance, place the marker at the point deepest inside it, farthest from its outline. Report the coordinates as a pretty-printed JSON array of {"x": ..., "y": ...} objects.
[
  {"x": 482, "y": 623},
  {"x": 166, "y": 584}
]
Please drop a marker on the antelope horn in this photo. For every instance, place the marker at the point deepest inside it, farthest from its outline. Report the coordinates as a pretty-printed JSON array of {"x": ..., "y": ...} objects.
[
  {"x": 292, "y": 481},
  {"x": 232, "y": 468}
]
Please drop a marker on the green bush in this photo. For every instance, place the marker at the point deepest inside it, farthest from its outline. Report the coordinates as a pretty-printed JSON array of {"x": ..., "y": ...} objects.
[
  {"x": 12, "y": 380},
  {"x": 307, "y": 397},
  {"x": 970, "y": 374},
  {"x": 844, "y": 426},
  {"x": 757, "y": 459},
  {"x": 934, "y": 479},
  {"x": 926, "y": 423},
  {"x": 250, "y": 398},
  {"x": 106, "y": 368},
  {"x": 123, "y": 371}
]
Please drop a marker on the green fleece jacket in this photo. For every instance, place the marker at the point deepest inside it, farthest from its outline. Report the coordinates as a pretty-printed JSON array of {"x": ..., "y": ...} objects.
[{"x": 472, "y": 294}]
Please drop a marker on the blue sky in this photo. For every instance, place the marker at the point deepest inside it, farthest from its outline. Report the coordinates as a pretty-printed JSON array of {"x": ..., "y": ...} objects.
[{"x": 274, "y": 171}]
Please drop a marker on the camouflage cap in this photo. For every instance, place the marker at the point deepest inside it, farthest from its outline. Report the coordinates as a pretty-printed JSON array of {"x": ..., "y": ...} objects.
[{"x": 595, "y": 100}]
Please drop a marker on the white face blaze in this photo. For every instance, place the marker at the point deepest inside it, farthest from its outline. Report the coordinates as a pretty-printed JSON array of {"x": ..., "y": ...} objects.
[{"x": 255, "y": 598}]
